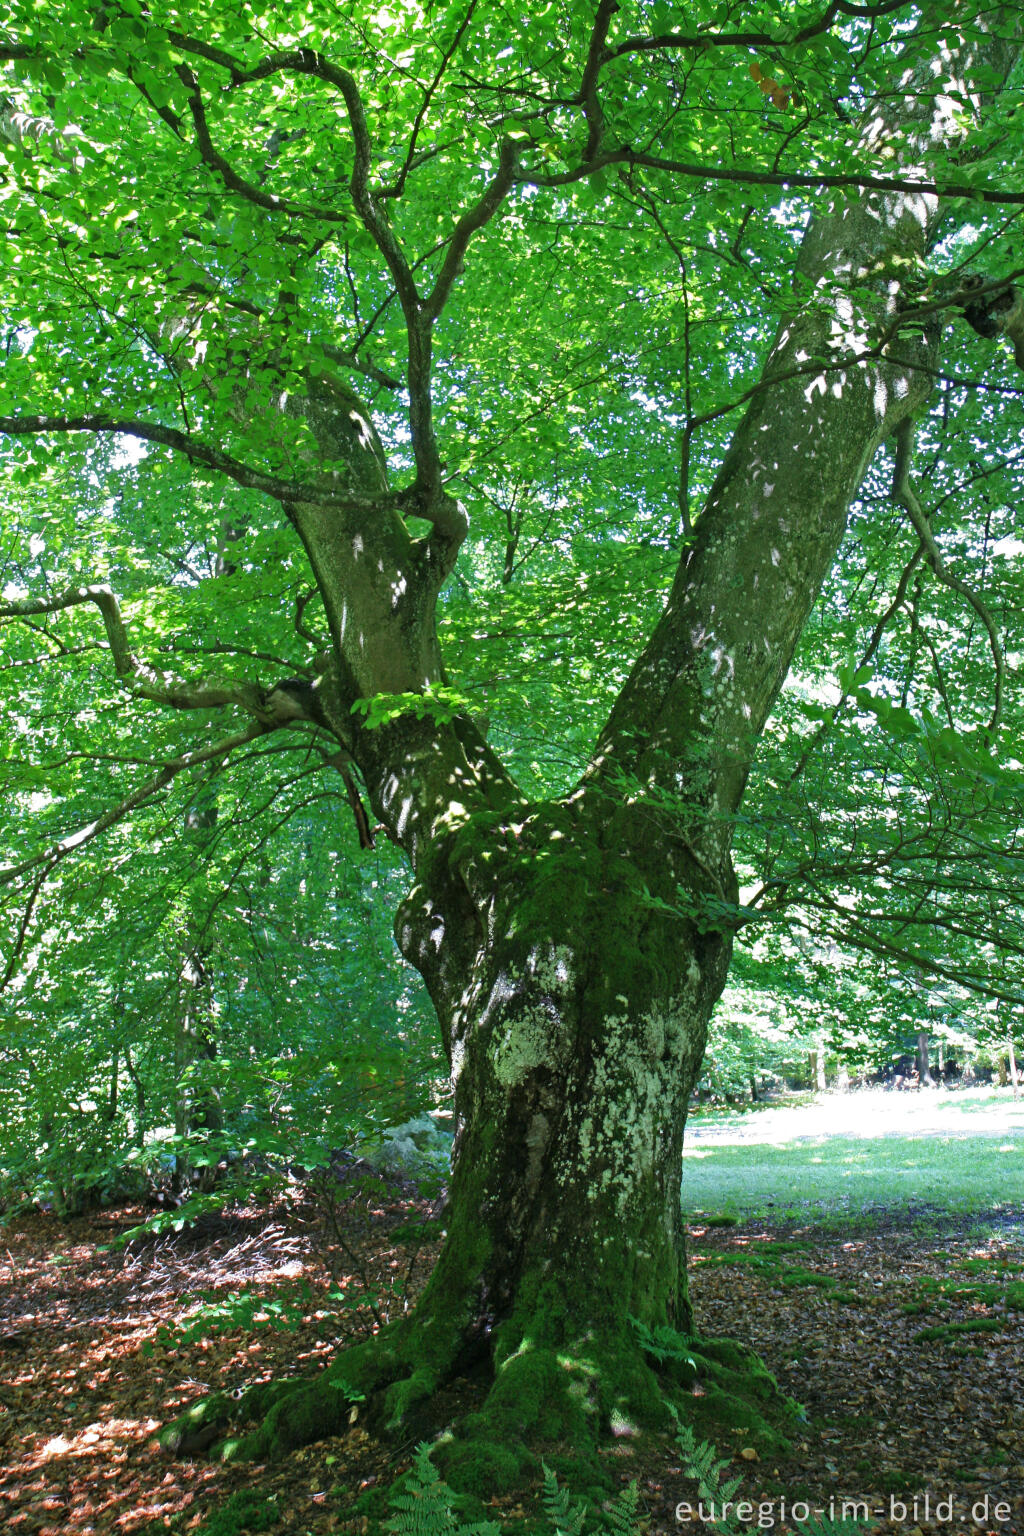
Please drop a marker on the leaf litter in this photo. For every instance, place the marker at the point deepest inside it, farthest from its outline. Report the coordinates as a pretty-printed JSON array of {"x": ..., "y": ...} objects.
[{"x": 96, "y": 1352}]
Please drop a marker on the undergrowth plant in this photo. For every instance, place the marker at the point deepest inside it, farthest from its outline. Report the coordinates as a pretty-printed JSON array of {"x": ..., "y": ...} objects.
[
  {"x": 424, "y": 1505},
  {"x": 244, "y": 1514},
  {"x": 224, "y": 1312},
  {"x": 717, "y": 1502}
]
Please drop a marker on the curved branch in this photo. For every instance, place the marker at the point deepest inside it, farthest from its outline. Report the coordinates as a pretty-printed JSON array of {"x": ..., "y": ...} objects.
[
  {"x": 212, "y": 157},
  {"x": 904, "y": 493},
  {"x": 24, "y": 926},
  {"x": 199, "y": 453},
  {"x": 302, "y": 61},
  {"x": 349, "y": 359},
  {"x": 471, "y": 221},
  {"x": 142, "y": 681},
  {"x": 861, "y": 936},
  {"x": 427, "y": 498}
]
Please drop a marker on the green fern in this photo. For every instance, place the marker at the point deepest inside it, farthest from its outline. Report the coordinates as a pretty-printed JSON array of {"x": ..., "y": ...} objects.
[
  {"x": 622, "y": 1517},
  {"x": 423, "y": 1505},
  {"x": 662, "y": 1343},
  {"x": 814, "y": 1527},
  {"x": 565, "y": 1517},
  {"x": 702, "y": 1463}
]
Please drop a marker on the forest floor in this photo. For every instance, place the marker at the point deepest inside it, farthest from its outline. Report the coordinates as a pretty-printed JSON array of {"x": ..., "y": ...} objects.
[{"x": 901, "y": 1332}]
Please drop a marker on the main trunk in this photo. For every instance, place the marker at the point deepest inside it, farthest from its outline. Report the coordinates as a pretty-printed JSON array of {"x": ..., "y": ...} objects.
[
  {"x": 575, "y": 1039},
  {"x": 569, "y": 952}
]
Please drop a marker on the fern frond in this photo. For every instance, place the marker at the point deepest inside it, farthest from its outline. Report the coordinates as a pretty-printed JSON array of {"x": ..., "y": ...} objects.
[
  {"x": 700, "y": 1463},
  {"x": 565, "y": 1517},
  {"x": 622, "y": 1515},
  {"x": 423, "y": 1504},
  {"x": 825, "y": 1527},
  {"x": 662, "y": 1343}
]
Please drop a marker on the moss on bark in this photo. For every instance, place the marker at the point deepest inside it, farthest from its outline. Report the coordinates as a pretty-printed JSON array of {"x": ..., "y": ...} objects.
[
  {"x": 560, "y": 1390},
  {"x": 575, "y": 1062}
]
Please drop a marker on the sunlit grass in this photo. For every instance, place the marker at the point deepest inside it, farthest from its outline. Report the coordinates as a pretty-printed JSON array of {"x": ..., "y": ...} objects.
[{"x": 787, "y": 1167}]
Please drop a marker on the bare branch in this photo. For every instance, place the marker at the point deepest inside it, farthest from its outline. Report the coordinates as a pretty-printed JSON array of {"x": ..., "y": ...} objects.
[
  {"x": 301, "y": 628},
  {"x": 342, "y": 762}
]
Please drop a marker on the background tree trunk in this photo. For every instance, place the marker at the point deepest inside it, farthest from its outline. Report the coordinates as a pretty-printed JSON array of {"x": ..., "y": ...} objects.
[{"x": 923, "y": 1064}]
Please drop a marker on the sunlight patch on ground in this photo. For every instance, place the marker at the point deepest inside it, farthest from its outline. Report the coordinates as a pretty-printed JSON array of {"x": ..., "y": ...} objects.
[
  {"x": 866, "y": 1113},
  {"x": 862, "y": 1152}
]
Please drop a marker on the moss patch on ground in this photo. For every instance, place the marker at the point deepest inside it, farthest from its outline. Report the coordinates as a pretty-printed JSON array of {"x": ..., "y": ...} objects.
[
  {"x": 945, "y": 1333},
  {"x": 1005, "y": 1293}
]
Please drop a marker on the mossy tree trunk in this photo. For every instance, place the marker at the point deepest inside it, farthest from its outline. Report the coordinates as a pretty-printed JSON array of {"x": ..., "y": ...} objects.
[
  {"x": 575, "y": 949},
  {"x": 575, "y": 1039}
]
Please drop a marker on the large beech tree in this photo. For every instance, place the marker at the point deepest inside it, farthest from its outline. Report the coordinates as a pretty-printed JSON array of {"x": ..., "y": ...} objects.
[{"x": 400, "y": 297}]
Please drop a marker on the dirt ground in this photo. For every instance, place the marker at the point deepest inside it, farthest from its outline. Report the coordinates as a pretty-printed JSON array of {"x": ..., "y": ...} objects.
[{"x": 90, "y": 1366}]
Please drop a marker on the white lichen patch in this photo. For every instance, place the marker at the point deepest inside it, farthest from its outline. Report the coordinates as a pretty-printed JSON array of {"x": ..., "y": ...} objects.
[
  {"x": 528, "y": 1043},
  {"x": 632, "y": 1097},
  {"x": 534, "y": 1034},
  {"x": 551, "y": 966}
]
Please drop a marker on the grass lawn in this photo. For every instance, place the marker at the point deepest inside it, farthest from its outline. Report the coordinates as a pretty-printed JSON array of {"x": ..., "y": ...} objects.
[{"x": 852, "y": 1154}]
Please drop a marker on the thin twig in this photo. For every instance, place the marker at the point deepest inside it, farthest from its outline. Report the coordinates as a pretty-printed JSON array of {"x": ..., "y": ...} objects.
[{"x": 904, "y": 493}]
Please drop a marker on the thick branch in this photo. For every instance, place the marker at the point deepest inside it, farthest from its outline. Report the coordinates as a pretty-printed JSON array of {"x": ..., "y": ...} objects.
[
  {"x": 269, "y": 201},
  {"x": 142, "y": 680},
  {"x": 596, "y": 56},
  {"x": 199, "y": 453},
  {"x": 471, "y": 221}
]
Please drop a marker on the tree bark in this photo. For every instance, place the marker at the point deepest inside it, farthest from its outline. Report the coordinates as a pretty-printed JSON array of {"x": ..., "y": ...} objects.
[
  {"x": 1012, "y": 1057},
  {"x": 816, "y": 1067},
  {"x": 923, "y": 1064}
]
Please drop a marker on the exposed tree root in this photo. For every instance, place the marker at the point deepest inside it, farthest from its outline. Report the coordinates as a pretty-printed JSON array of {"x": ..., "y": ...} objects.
[{"x": 553, "y": 1395}]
